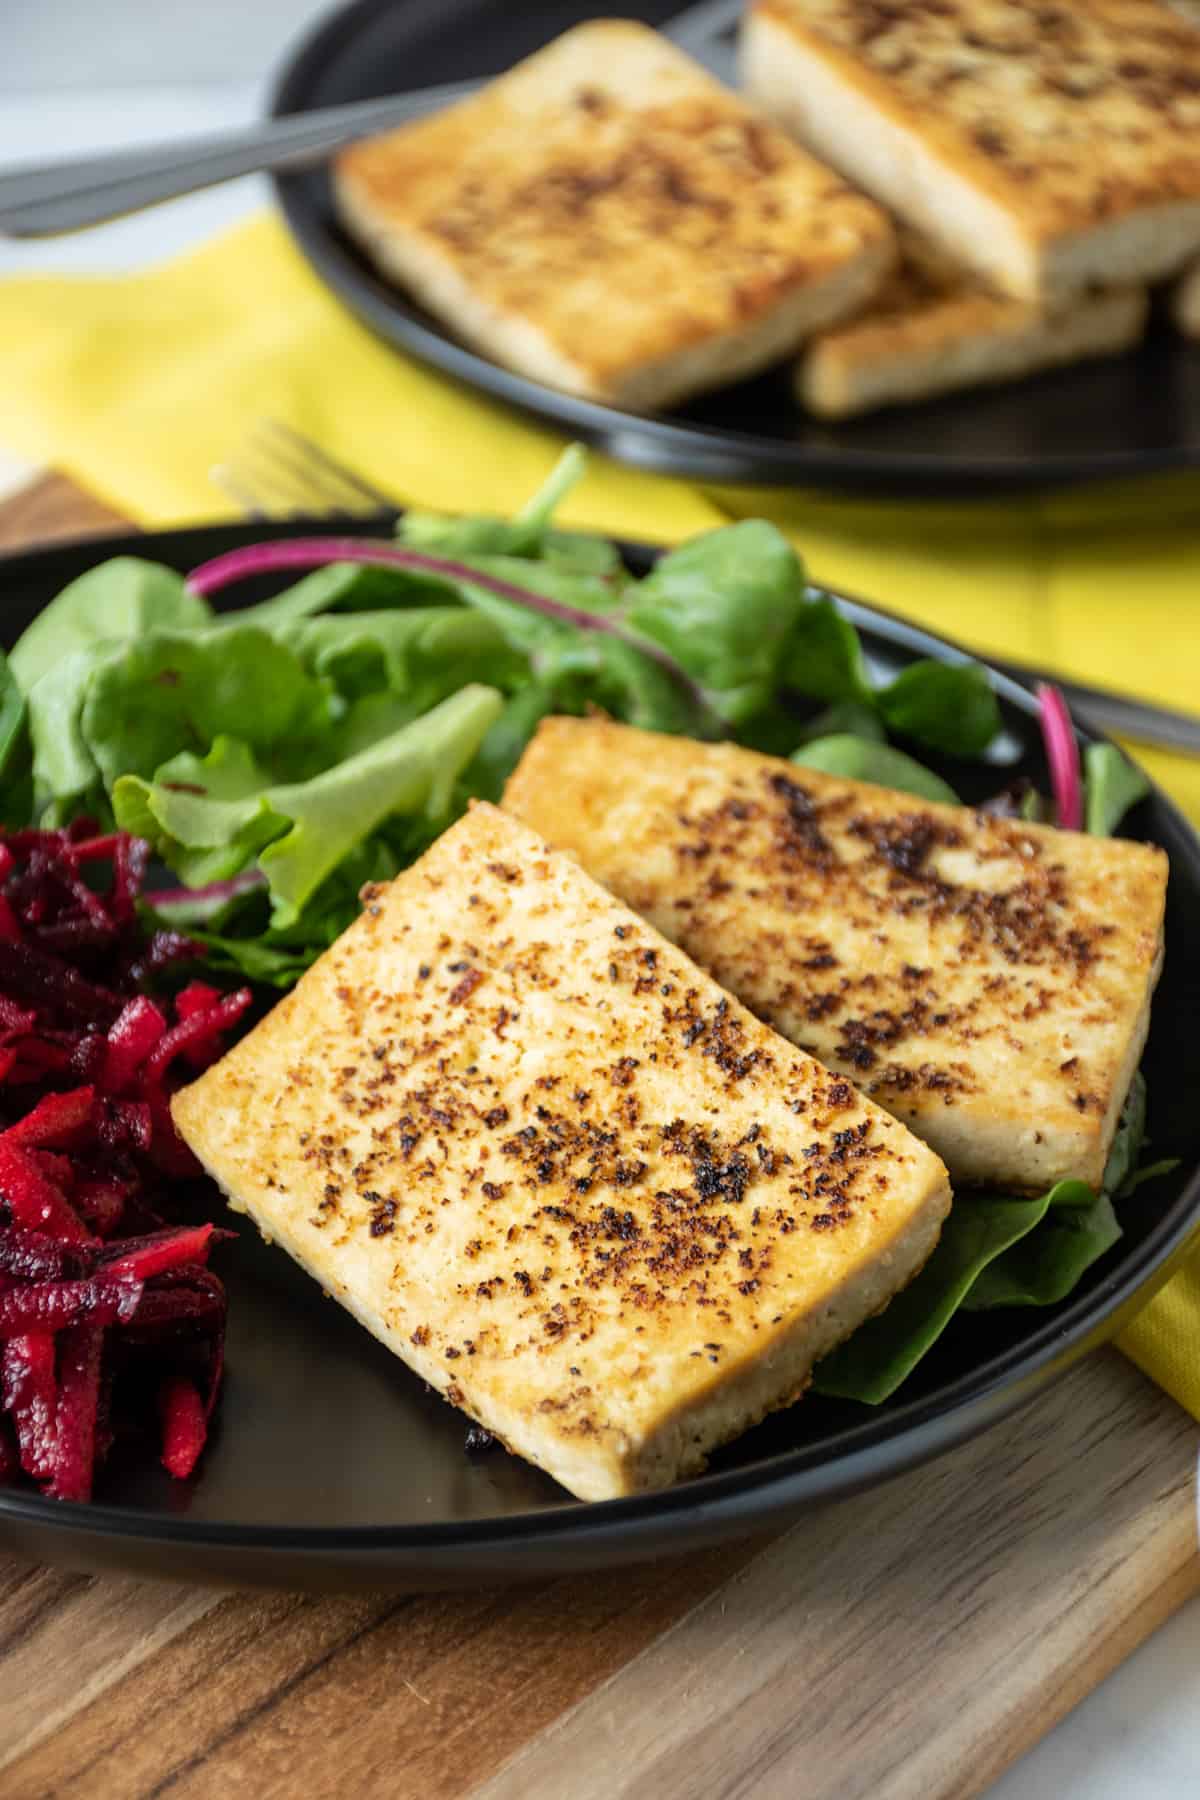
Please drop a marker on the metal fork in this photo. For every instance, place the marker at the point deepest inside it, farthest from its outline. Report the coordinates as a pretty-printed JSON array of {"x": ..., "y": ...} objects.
[
  {"x": 278, "y": 473},
  {"x": 40, "y": 201}
]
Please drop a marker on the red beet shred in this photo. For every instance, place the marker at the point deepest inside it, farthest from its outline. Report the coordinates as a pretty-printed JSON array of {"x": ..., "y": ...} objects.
[{"x": 97, "y": 1294}]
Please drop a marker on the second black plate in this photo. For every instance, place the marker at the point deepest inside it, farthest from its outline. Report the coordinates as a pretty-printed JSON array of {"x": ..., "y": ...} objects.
[{"x": 1125, "y": 415}]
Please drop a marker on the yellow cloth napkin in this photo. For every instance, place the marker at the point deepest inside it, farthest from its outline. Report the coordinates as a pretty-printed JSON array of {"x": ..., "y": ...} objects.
[{"x": 137, "y": 385}]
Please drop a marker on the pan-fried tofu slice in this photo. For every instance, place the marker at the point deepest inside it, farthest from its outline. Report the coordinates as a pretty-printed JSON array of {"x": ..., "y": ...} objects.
[
  {"x": 987, "y": 981},
  {"x": 608, "y": 219},
  {"x": 1052, "y": 147},
  {"x": 553, "y": 1167},
  {"x": 934, "y": 328}
]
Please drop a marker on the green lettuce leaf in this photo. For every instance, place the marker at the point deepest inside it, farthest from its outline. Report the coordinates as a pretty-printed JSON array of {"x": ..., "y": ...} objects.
[
  {"x": 173, "y": 691},
  {"x": 223, "y": 805},
  {"x": 124, "y": 597},
  {"x": 66, "y": 775},
  {"x": 16, "y": 785},
  {"x": 862, "y": 760},
  {"x": 417, "y": 654}
]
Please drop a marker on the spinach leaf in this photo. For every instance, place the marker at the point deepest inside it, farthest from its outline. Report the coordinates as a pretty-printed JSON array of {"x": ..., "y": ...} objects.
[
  {"x": 1112, "y": 784},
  {"x": 823, "y": 656},
  {"x": 871, "y": 1365},
  {"x": 947, "y": 706},
  {"x": 862, "y": 760},
  {"x": 845, "y": 717},
  {"x": 1045, "y": 1266},
  {"x": 726, "y": 605}
]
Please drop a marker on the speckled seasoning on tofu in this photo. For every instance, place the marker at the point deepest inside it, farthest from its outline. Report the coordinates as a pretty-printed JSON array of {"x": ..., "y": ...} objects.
[
  {"x": 609, "y": 219},
  {"x": 987, "y": 981},
  {"x": 557, "y": 1170}
]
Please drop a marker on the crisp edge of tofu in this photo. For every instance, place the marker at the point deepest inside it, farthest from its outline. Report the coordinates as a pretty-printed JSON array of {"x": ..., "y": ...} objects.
[{"x": 774, "y": 1377}]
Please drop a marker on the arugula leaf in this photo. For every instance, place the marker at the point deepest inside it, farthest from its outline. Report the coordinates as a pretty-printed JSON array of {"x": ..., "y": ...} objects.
[
  {"x": 861, "y": 760},
  {"x": 948, "y": 706},
  {"x": 301, "y": 831},
  {"x": 725, "y": 605},
  {"x": 124, "y": 597},
  {"x": 1112, "y": 784}
]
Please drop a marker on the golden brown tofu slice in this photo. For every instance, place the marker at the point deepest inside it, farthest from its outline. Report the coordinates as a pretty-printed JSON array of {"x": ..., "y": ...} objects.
[
  {"x": 934, "y": 328},
  {"x": 552, "y": 1166},
  {"x": 987, "y": 981},
  {"x": 608, "y": 219},
  {"x": 1052, "y": 147}
]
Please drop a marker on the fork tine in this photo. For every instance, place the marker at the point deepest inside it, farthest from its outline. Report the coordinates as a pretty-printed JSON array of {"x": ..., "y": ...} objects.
[
  {"x": 318, "y": 458},
  {"x": 278, "y": 473}
]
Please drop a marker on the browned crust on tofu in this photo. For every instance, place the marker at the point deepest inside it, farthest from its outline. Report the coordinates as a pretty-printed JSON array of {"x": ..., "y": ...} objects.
[
  {"x": 934, "y": 328},
  {"x": 553, "y": 1167},
  {"x": 987, "y": 981},
  {"x": 609, "y": 219},
  {"x": 1068, "y": 115}
]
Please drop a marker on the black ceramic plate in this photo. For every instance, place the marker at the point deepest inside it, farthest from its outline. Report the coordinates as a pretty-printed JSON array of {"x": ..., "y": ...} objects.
[
  {"x": 1126, "y": 415},
  {"x": 332, "y": 1466}
]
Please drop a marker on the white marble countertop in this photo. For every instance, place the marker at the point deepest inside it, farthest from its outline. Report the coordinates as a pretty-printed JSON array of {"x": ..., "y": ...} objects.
[{"x": 68, "y": 83}]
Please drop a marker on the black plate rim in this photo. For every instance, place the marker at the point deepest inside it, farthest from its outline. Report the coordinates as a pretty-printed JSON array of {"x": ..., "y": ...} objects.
[
  {"x": 710, "y": 1506},
  {"x": 653, "y": 442}
]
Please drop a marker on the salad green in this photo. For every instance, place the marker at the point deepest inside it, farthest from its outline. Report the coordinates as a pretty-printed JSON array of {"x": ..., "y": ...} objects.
[{"x": 279, "y": 755}]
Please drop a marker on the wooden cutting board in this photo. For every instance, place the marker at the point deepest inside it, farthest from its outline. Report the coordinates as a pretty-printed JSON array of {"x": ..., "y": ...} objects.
[{"x": 907, "y": 1644}]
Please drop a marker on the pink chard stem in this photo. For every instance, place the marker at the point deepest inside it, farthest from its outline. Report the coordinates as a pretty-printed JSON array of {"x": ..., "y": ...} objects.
[{"x": 1062, "y": 754}]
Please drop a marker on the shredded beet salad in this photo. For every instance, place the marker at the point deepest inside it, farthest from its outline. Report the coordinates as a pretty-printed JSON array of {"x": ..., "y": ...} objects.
[{"x": 109, "y": 1315}]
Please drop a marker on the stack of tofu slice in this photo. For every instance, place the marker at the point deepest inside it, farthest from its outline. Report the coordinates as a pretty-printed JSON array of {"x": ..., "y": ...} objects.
[{"x": 1047, "y": 154}]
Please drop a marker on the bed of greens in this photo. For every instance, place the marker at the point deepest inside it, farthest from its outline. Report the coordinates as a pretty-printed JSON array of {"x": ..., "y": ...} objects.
[{"x": 277, "y": 756}]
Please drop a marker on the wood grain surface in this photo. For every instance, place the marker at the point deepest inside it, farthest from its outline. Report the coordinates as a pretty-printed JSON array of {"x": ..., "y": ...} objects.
[{"x": 904, "y": 1645}]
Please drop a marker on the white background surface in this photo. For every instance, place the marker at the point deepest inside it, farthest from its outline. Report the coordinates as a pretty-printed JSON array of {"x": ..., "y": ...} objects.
[{"x": 80, "y": 74}]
